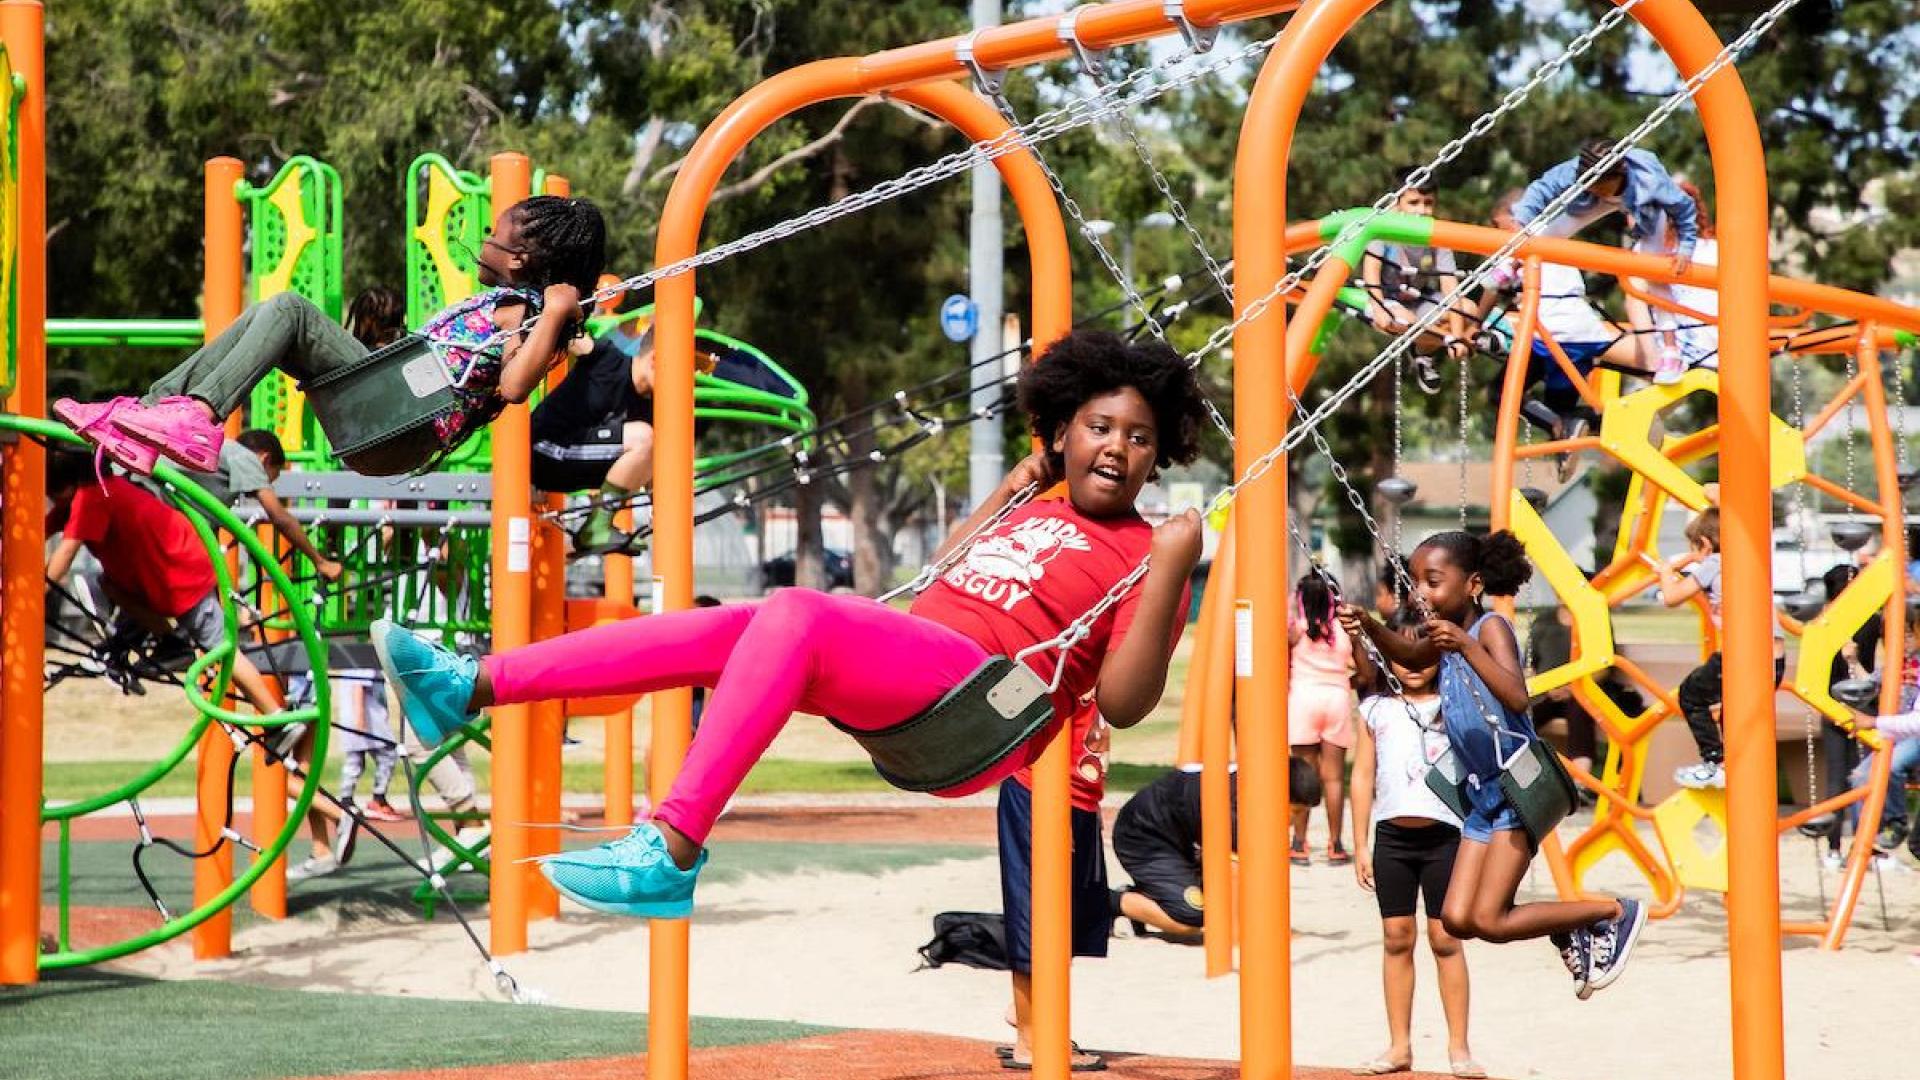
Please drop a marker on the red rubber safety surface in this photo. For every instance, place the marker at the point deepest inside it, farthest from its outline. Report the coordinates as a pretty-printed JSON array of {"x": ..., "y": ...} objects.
[{"x": 850, "y": 1055}]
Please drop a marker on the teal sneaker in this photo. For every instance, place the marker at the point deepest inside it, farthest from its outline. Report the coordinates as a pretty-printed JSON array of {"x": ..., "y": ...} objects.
[
  {"x": 434, "y": 683},
  {"x": 633, "y": 875}
]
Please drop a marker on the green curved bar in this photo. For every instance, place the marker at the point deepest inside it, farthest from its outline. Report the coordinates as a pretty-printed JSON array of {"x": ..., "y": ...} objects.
[
  {"x": 207, "y": 510},
  {"x": 126, "y": 333}
]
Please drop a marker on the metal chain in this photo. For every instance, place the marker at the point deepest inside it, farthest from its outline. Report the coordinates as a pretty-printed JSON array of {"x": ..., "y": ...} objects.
[
  {"x": 1852, "y": 419},
  {"x": 1462, "y": 449},
  {"x": 1306, "y": 427},
  {"x": 1899, "y": 395},
  {"x": 1147, "y": 158},
  {"x": 1797, "y": 387},
  {"x": 1114, "y": 99},
  {"x": 931, "y": 572},
  {"x": 1399, "y": 448},
  {"x": 1421, "y": 176}
]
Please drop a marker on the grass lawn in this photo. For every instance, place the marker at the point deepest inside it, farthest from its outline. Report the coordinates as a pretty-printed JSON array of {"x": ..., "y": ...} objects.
[{"x": 102, "y": 1026}]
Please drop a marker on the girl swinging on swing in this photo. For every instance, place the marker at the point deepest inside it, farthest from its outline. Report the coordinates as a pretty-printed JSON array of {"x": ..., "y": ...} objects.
[{"x": 1111, "y": 415}]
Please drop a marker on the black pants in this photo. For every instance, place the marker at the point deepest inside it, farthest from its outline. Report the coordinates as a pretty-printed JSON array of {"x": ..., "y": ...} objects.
[
  {"x": 1412, "y": 863},
  {"x": 1700, "y": 691}
]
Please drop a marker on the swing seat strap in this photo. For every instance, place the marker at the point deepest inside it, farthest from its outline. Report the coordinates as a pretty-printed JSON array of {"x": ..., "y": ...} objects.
[{"x": 972, "y": 728}]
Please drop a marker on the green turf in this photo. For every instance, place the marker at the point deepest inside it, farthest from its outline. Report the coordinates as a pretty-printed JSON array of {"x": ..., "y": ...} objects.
[
  {"x": 376, "y": 885},
  {"x": 67, "y": 781},
  {"x": 103, "y": 1026}
]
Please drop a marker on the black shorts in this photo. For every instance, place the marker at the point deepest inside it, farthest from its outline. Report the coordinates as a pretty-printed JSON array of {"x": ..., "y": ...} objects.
[
  {"x": 1160, "y": 871},
  {"x": 580, "y": 463},
  {"x": 1412, "y": 863},
  {"x": 1092, "y": 904}
]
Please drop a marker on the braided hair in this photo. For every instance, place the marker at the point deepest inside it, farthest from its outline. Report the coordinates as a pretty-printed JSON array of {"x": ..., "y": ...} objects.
[
  {"x": 1317, "y": 599},
  {"x": 1593, "y": 151},
  {"x": 377, "y": 316},
  {"x": 566, "y": 241}
]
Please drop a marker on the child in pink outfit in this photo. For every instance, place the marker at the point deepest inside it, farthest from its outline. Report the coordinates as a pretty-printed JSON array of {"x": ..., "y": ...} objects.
[{"x": 1320, "y": 706}]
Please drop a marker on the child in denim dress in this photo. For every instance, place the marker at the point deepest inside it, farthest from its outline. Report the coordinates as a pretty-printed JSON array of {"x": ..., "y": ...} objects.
[{"x": 1483, "y": 695}]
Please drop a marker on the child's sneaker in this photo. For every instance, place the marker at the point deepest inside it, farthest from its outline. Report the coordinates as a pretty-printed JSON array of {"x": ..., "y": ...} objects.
[
  {"x": 379, "y": 809},
  {"x": 1426, "y": 373},
  {"x": 1833, "y": 860},
  {"x": 1576, "y": 951},
  {"x": 314, "y": 866},
  {"x": 1611, "y": 942},
  {"x": 633, "y": 875},
  {"x": 434, "y": 683},
  {"x": 1889, "y": 837},
  {"x": 347, "y": 840},
  {"x": 178, "y": 427},
  {"x": 93, "y": 421},
  {"x": 1668, "y": 367},
  {"x": 1705, "y": 774}
]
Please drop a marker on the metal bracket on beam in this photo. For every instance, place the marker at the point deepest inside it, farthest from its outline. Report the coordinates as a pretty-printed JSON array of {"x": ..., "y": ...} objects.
[
  {"x": 1068, "y": 30},
  {"x": 985, "y": 81},
  {"x": 1199, "y": 38}
]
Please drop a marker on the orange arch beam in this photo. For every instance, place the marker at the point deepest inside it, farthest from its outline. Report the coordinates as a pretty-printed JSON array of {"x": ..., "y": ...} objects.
[
  {"x": 1259, "y": 227},
  {"x": 673, "y": 499}
]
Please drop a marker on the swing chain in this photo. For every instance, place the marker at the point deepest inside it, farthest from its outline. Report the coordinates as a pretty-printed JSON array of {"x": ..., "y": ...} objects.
[
  {"x": 1147, "y": 158},
  {"x": 931, "y": 572},
  {"x": 1422, "y": 175}
]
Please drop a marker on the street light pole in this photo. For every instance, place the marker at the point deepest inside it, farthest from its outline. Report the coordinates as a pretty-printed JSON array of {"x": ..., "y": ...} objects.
[{"x": 986, "y": 462}]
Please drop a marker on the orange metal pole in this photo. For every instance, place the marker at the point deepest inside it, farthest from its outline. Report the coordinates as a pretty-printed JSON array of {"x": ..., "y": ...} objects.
[
  {"x": 269, "y": 892},
  {"x": 549, "y": 718},
  {"x": 224, "y": 298},
  {"x": 679, "y": 237},
  {"x": 1740, "y": 179},
  {"x": 510, "y": 878},
  {"x": 617, "y": 731},
  {"x": 1193, "y": 704},
  {"x": 23, "y": 493},
  {"x": 1213, "y": 674},
  {"x": 1893, "y": 541}
]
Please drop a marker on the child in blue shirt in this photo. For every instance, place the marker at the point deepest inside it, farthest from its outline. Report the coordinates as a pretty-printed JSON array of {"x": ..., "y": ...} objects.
[{"x": 1661, "y": 219}]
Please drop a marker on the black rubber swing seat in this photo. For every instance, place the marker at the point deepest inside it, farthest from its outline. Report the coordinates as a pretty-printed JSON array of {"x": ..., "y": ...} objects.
[
  {"x": 972, "y": 728},
  {"x": 1862, "y": 694}
]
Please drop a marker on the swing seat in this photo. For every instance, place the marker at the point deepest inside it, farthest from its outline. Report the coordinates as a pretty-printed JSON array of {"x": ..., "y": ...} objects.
[
  {"x": 972, "y": 728},
  {"x": 379, "y": 413}
]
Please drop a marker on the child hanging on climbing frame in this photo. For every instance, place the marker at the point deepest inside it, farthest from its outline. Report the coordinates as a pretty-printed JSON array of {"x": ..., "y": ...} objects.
[
  {"x": 1319, "y": 706},
  {"x": 1401, "y": 282},
  {"x": 1404, "y": 843},
  {"x": 1699, "y": 337},
  {"x": 1697, "y": 573},
  {"x": 1483, "y": 700},
  {"x": 1639, "y": 187},
  {"x": 542, "y": 256},
  {"x": 1570, "y": 319},
  {"x": 1110, "y": 414},
  {"x": 249, "y": 464}
]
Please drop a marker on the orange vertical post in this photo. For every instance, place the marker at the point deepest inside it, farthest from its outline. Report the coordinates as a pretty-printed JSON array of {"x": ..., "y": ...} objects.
[
  {"x": 269, "y": 892},
  {"x": 508, "y": 880},
  {"x": 549, "y": 718},
  {"x": 1753, "y": 900},
  {"x": 23, "y": 493},
  {"x": 1214, "y": 675},
  {"x": 617, "y": 727},
  {"x": 223, "y": 299}
]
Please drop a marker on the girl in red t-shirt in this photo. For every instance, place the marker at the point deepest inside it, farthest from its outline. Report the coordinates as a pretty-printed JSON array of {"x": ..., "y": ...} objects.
[{"x": 1111, "y": 414}]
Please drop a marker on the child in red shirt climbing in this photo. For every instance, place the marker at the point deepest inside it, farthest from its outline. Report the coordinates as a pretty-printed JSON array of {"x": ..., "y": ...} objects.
[
  {"x": 152, "y": 563},
  {"x": 1110, "y": 415}
]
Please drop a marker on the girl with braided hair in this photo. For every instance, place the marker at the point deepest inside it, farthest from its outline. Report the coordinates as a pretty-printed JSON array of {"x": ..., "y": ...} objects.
[{"x": 542, "y": 255}]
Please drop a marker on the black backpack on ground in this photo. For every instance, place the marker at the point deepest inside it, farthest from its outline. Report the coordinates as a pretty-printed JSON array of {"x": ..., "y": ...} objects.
[{"x": 976, "y": 939}]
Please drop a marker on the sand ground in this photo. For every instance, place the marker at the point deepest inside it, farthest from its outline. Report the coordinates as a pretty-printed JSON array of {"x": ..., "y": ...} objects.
[{"x": 838, "y": 949}]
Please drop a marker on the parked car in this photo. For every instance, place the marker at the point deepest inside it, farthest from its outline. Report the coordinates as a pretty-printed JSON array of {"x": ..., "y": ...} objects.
[{"x": 777, "y": 572}]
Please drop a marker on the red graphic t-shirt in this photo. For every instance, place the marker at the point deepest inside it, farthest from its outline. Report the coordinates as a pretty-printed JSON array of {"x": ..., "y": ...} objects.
[
  {"x": 1033, "y": 574},
  {"x": 144, "y": 546}
]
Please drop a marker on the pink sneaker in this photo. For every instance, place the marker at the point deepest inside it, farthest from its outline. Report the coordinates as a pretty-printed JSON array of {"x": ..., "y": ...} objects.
[
  {"x": 93, "y": 421},
  {"x": 179, "y": 428}
]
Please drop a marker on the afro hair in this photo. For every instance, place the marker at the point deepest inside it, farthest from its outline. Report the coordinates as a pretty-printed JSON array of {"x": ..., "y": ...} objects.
[{"x": 1088, "y": 363}]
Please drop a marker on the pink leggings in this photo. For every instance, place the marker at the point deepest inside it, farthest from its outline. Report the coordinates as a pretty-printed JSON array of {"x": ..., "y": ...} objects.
[{"x": 854, "y": 659}]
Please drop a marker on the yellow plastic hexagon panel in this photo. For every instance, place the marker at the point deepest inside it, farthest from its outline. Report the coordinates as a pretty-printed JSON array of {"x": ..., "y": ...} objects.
[
  {"x": 1676, "y": 819},
  {"x": 1626, "y": 432},
  {"x": 1592, "y": 629}
]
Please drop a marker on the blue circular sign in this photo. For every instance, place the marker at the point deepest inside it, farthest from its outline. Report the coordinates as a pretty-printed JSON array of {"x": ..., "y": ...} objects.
[{"x": 959, "y": 318}]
